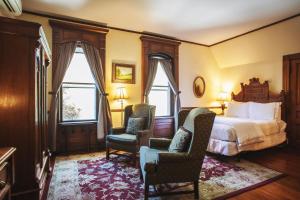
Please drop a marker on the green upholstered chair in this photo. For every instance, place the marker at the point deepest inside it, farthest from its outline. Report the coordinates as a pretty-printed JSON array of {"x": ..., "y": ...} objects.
[
  {"x": 119, "y": 140},
  {"x": 159, "y": 166}
]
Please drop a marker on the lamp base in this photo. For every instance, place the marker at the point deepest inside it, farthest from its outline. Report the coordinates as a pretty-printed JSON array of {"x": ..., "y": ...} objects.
[{"x": 223, "y": 106}]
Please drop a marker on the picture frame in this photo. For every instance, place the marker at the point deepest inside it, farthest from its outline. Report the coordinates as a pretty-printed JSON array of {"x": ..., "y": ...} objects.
[
  {"x": 123, "y": 73},
  {"x": 199, "y": 86}
]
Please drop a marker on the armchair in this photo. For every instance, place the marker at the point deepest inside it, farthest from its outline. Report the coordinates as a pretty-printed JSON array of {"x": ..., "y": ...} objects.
[
  {"x": 159, "y": 166},
  {"x": 119, "y": 140}
]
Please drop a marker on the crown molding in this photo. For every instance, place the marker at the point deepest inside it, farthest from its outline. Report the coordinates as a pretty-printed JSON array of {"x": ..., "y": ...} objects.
[{"x": 104, "y": 25}]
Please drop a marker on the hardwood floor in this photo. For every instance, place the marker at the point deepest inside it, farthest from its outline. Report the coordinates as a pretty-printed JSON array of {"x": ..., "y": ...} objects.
[{"x": 285, "y": 160}]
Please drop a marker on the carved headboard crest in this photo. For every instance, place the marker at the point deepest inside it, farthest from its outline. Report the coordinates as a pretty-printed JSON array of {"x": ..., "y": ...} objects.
[{"x": 257, "y": 92}]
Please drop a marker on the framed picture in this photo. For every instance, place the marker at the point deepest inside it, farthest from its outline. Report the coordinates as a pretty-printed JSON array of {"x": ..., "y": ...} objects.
[
  {"x": 123, "y": 73},
  {"x": 199, "y": 86}
]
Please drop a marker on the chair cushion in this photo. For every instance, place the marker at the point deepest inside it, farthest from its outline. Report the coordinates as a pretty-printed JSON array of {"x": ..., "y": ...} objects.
[
  {"x": 180, "y": 141},
  {"x": 135, "y": 124},
  {"x": 121, "y": 138}
]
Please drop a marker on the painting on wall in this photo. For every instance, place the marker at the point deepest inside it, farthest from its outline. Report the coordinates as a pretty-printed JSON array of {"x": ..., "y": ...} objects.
[
  {"x": 199, "y": 86},
  {"x": 123, "y": 73}
]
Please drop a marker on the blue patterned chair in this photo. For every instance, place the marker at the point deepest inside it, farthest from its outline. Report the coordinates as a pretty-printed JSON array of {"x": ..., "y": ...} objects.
[
  {"x": 159, "y": 166},
  {"x": 119, "y": 140}
]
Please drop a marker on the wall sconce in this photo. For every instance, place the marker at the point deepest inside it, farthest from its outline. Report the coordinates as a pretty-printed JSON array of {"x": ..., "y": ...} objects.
[
  {"x": 222, "y": 98},
  {"x": 120, "y": 96}
]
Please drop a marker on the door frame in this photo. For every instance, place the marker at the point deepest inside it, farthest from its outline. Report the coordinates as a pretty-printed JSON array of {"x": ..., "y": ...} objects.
[{"x": 286, "y": 85}]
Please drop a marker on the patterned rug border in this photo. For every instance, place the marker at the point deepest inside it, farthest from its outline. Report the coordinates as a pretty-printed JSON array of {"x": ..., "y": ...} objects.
[{"x": 252, "y": 187}]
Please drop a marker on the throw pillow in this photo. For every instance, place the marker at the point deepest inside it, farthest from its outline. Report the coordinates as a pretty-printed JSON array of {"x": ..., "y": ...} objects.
[
  {"x": 180, "y": 141},
  {"x": 135, "y": 124}
]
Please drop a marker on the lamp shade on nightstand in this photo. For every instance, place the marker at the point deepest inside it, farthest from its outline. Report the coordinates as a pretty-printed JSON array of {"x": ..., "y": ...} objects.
[
  {"x": 222, "y": 98},
  {"x": 120, "y": 94}
]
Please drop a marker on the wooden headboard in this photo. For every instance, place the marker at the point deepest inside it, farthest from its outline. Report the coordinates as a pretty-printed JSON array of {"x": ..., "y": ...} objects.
[{"x": 259, "y": 92}]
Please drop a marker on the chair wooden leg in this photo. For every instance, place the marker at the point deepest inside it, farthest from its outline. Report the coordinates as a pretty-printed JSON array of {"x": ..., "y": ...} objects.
[
  {"x": 196, "y": 189},
  {"x": 141, "y": 174},
  {"x": 146, "y": 192},
  {"x": 134, "y": 158},
  {"x": 107, "y": 153}
]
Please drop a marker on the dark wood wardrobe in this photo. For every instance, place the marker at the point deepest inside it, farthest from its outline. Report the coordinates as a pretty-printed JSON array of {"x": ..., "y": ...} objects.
[
  {"x": 291, "y": 86},
  {"x": 24, "y": 57}
]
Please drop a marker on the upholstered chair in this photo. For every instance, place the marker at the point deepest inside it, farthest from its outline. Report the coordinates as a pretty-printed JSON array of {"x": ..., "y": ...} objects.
[
  {"x": 120, "y": 139},
  {"x": 159, "y": 165}
]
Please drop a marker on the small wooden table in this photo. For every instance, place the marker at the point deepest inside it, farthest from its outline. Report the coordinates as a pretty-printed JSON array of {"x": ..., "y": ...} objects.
[{"x": 6, "y": 171}]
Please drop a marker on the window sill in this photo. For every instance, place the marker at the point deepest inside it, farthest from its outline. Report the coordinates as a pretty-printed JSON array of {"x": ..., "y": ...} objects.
[{"x": 75, "y": 123}]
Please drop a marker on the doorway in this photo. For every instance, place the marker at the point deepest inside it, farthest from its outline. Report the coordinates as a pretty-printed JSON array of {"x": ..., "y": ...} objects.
[{"x": 291, "y": 85}]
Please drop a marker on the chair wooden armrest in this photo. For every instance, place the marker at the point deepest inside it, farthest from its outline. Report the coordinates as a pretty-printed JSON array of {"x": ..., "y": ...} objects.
[
  {"x": 118, "y": 130},
  {"x": 170, "y": 157},
  {"x": 159, "y": 143}
]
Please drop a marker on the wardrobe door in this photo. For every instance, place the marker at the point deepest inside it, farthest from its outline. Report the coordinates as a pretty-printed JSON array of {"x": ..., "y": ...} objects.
[{"x": 17, "y": 98}]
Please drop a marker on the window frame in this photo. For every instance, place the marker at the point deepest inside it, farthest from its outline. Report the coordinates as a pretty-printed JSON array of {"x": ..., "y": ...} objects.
[
  {"x": 168, "y": 48},
  {"x": 60, "y": 110}
]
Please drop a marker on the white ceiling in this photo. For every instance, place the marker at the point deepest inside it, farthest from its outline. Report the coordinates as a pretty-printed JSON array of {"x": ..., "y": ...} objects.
[{"x": 201, "y": 21}]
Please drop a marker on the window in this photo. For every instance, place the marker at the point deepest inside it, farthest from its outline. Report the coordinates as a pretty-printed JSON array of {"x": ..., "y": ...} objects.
[
  {"x": 78, "y": 91},
  {"x": 160, "y": 94}
]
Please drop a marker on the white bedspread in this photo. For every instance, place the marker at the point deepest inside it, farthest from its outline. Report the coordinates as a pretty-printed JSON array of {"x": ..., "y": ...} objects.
[{"x": 244, "y": 131}]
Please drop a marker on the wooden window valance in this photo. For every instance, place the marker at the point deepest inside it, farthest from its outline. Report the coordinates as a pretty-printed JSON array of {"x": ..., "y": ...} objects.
[
  {"x": 63, "y": 32},
  {"x": 154, "y": 46}
]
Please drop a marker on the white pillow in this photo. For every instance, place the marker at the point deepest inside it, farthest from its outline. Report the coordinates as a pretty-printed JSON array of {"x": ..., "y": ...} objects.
[
  {"x": 238, "y": 109},
  {"x": 262, "y": 111}
]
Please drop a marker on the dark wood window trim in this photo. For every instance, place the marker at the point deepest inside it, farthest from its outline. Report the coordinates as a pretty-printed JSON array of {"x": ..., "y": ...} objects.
[
  {"x": 164, "y": 125},
  {"x": 63, "y": 32},
  {"x": 154, "y": 45},
  {"x": 73, "y": 136}
]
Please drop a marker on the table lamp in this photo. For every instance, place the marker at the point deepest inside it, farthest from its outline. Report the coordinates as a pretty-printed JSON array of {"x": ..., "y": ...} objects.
[
  {"x": 120, "y": 96},
  {"x": 222, "y": 98}
]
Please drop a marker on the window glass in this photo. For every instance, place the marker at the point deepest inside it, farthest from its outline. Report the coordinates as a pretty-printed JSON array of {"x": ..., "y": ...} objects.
[
  {"x": 160, "y": 94},
  {"x": 78, "y": 90},
  {"x": 79, "y": 70}
]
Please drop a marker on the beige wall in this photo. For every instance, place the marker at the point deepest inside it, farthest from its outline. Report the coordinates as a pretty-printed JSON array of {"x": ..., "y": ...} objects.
[
  {"x": 258, "y": 54},
  {"x": 195, "y": 60},
  {"x": 224, "y": 66},
  {"x": 126, "y": 47},
  {"x": 123, "y": 47}
]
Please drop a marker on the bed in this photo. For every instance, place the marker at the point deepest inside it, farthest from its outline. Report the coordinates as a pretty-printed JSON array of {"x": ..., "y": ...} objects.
[{"x": 255, "y": 120}]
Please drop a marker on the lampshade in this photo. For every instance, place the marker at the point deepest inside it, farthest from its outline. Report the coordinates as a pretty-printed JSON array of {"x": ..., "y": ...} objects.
[
  {"x": 120, "y": 94},
  {"x": 223, "y": 96}
]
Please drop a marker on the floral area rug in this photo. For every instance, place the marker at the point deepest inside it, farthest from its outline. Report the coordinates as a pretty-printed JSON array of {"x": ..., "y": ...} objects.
[{"x": 92, "y": 177}]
